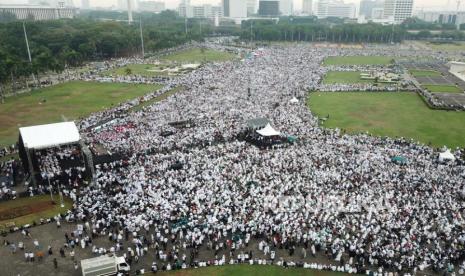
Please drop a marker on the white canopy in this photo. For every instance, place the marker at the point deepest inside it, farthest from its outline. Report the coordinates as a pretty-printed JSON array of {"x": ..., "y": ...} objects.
[
  {"x": 51, "y": 135},
  {"x": 294, "y": 100},
  {"x": 268, "y": 130},
  {"x": 446, "y": 156}
]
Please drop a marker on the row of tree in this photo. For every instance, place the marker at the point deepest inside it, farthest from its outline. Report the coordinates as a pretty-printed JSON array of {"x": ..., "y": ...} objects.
[
  {"x": 293, "y": 30},
  {"x": 96, "y": 35},
  {"x": 56, "y": 45}
]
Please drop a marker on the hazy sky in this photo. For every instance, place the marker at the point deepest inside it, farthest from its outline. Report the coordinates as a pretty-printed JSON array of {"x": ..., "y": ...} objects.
[{"x": 438, "y": 4}]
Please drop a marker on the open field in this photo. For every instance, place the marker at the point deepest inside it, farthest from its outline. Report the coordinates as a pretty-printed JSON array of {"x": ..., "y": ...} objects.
[
  {"x": 64, "y": 101},
  {"x": 358, "y": 60},
  {"x": 157, "y": 99},
  {"x": 196, "y": 55},
  {"x": 443, "y": 88},
  {"x": 250, "y": 270},
  {"x": 149, "y": 70},
  {"x": 344, "y": 77},
  {"x": 453, "y": 46},
  {"x": 25, "y": 210},
  {"x": 390, "y": 114},
  {"x": 424, "y": 73},
  {"x": 136, "y": 69}
]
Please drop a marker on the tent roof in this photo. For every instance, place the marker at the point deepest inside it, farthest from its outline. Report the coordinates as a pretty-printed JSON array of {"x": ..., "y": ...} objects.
[
  {"x": 51, "y": 135},
  {"x": 257, "y": 123},
  {"x": 447, "y": 155},
  {"x": 268, "y": 131},
  {"x": 294, "y": 100}
]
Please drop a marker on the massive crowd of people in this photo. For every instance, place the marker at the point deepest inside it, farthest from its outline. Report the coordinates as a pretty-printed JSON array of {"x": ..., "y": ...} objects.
[{"x": 327, "y": 192}]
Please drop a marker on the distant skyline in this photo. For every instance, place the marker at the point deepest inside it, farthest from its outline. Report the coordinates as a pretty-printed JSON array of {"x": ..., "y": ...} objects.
[{"x": 172, "y": 4}]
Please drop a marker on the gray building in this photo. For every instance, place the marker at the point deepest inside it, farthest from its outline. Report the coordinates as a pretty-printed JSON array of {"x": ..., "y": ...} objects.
[
  {"x": 268, "y": 8},
  {"x": 397, "y": 10},
  {"x": 367, "y": 7},
  {"x": 35, "y": 12},
  {"x": 151, "y": 6}
]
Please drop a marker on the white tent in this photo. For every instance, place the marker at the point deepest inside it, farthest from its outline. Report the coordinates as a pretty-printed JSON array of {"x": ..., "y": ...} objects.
[
  {"x": 51, "y": 135},
  {"x": 268, "y": 130},
  {"x": 294, "y": 100},
  {"x": 446, "y": 156}
]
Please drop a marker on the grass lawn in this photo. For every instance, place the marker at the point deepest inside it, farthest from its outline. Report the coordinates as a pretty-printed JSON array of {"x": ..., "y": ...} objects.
[
  {"x": 424, "y": 73},
  {"x": 136, "y": 69},
  {"x": 453, "y": 46},
  {"x": 443, "y": 88},
  {"x": 33, "y": 208},
  {"x": 157, "y": 99},
  {"x": 358, "y": 60},
  {"x": 344, "y": 77},
  {"x": 70, "y": 100},
  {"x": 196, "y": 55},
  {"x": 249, "y": 270},
  {"x": 390, "y": 114}
]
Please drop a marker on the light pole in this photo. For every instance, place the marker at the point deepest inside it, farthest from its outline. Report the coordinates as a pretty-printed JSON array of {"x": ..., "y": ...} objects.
[
  {"x": 28, "y": 50},
  {"x": 141, "y": 38},
  {"x": 50, "y": 187},
  {"x": 62, "y": 205}
]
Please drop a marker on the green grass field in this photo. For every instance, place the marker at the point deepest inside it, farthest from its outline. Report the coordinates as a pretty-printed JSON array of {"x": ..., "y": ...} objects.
[
  {"x": 453, "y": 46},
  {"x": 136, "y": 69},
  {"x": 157, "y": 99},
  {"x": 344, "y": 77},
  {"x": 70, "y": 100},
  {"x": 196, "y": 55},
  {"x": 390, "y": 114},
  {"x": 358, "y": 60},
  {"x": 443, "y": 88},
  {"x": 34, "y": 202},
  {"x": 424, "y": 73},
  {"x": 249, "y": 270}
]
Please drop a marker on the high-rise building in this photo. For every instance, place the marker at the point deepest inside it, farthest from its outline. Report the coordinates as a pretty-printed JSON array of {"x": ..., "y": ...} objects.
[
  {"x": 151, "y": 6},
  {"x": 251, "y": 7},
  {"x": 207, "y": 11},
  {"x": 85, "y": 5},
  {"x": 335, "y": 8},
  {"x": 286, "y": 7},
  {"x": 367, "y": 6},
  {"x": 307, "y": 7},
  {"x": 397, "y": 10},
  {"x": 442, "y": 17},
  {"x": 185, "y": 9},
  {"x": 268, "y": 8},
  {"x": 39, "y": 12},
  {"x": 235, "y": 9},
  {"x": 53, "y": 3}
]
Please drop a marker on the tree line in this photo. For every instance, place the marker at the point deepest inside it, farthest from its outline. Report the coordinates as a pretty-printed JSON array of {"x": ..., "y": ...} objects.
[
  {"x": 98, "y": 35},
  {"x": 59, "y": 44}
]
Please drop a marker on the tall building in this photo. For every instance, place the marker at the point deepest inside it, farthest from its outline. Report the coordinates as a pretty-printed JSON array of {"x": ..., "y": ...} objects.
[
  {"x": 235, "y": 9},
  {"x": 442, "y": 17},
  {"x": 268, "y": 8},
  {"x": 185, "y": 9},
  {"x": 123, "y": 5},
  {"x": 38, "y": 12},
  {"x": 151, "y": 6},
  {"x": 367, "y": 6},
  {"x": 397, "y": 10},
  {"x": 207, "y": 11},
  {"x": 53, "y": 3},
  {"x": 307, "y": 7},
  {"x": 335, "y": 8},
  {"x": 251, "y": 7},
  {"x": 286, "y": 7}
]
